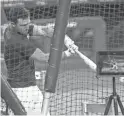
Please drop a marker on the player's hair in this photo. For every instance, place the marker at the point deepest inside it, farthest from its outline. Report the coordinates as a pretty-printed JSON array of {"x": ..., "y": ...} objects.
[{"x": 18, "y": 12}]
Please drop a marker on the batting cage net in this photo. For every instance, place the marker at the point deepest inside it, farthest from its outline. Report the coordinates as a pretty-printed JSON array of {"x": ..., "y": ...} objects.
[{"x": 93, "y": 25}]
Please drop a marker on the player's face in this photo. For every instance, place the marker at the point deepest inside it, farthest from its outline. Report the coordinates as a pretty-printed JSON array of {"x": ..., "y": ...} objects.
[{"x": 22, "y": 25}]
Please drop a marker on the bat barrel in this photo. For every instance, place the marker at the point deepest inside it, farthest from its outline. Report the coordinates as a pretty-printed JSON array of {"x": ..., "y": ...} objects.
[{"x": 89, "y": 62}]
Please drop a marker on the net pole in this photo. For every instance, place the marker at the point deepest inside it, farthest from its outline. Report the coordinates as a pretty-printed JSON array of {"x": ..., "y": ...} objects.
[
  {"x": 3, "y": 17},
  {"x": 56, "y": 49},
  {"x": 10, "y": 97}
]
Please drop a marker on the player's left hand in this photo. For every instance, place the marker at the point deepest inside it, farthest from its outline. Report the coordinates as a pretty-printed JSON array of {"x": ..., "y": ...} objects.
[
  {"x": 71, "y": 50},
  {"x": 70, "y": 45}
]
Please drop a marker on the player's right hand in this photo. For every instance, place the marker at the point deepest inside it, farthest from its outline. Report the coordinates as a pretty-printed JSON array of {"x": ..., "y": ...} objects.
[
  {"x": 71, "y": 51},
  {"x": 68, "y": 53},
  {"x": 73, "y": 48}
]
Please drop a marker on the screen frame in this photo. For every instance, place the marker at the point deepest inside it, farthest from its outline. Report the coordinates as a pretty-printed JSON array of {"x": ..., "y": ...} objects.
[{"x": 99, "y": 63}]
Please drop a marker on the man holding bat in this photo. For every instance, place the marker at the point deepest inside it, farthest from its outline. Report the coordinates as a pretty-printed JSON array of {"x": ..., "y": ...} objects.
[{"x": 24, "y": 43}]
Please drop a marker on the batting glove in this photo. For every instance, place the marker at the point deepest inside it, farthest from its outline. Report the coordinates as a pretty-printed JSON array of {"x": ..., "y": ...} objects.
[
  {"x": 70, "y": 45},
  {"x": 73, "y": 48},
  {"x": 67, "y": 53}
]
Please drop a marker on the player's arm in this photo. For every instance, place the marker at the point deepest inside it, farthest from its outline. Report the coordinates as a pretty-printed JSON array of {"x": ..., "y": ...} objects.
[
  {"x": 40, "y": 56},
  {"x": 72, "y": 48},
  {"x": 48, "y": 32},
  {"x": 39, "y": 30},
  {"x": 38, "y": 36}
]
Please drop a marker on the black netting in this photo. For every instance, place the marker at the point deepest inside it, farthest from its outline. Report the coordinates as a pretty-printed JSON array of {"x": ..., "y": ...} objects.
[{"x": 76, "y": 82}]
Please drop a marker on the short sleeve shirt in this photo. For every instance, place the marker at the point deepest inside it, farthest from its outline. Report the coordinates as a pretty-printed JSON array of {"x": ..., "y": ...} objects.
[{"x": 18, "y": 49}]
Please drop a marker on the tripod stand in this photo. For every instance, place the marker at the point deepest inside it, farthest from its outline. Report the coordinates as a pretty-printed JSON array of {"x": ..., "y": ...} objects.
[{"x": 115, "y": 97}]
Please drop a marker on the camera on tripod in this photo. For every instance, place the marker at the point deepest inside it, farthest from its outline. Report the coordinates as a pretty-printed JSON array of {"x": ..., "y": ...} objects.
[{"x": 111, "y": 63}]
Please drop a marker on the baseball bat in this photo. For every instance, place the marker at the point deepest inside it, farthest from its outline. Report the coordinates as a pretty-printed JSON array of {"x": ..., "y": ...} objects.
[
  {"x": 68, "y": 42},
  {"x": 88, "y": 61}
]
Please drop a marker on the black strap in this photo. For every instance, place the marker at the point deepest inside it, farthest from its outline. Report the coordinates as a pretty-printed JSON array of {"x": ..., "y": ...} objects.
[{"x": 30, "y": 31}]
